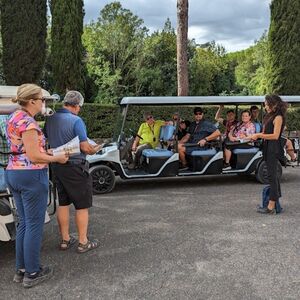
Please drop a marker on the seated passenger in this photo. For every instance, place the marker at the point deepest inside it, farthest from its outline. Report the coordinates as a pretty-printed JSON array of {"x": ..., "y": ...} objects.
[
  {"x": 200, "y": 132},
  {"x": 149, "y": 133},
  {"x": 230, "y": 121},
  {"x": 175, "y": 119},
  {"x": 254, "y": 111},
  {"x": 182, "y": 129},
  {"x": 291, "y": 152},
  {"x": 288, "y": 144},
  {"x": 241, "y": 133}
]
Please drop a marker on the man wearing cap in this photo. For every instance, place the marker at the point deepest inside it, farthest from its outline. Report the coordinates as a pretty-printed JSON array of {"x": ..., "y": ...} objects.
[
  {"x": 200, "y": 132},
  {"x": 74, "y": 184}
]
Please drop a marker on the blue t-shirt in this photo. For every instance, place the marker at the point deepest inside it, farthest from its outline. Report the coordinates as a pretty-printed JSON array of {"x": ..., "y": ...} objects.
[
  {"x": 64, "y": 126},
  {"x": 200, "y": 130}
]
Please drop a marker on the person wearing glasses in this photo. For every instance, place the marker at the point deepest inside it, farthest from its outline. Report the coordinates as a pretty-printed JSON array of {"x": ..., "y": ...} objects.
[
  {"x": 27, "y": 178},
  {"x": 230, "y": 121},
  {"x": 73, "y": 180},
  {"x": 146, "y": 138},
  {"x": 200, "y": 132}
]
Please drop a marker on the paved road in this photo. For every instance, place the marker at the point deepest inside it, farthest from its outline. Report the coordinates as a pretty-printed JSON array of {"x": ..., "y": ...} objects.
[{"x": 183, "y": 238}]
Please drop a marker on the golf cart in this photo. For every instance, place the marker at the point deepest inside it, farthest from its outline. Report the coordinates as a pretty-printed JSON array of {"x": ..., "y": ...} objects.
[
  {"x": 112, "y": 160},
  {"x": 8, "y": 211}
]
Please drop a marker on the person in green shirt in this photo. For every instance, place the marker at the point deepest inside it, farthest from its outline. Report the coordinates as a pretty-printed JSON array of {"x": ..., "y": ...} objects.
[{"x": 147, "y": 138}]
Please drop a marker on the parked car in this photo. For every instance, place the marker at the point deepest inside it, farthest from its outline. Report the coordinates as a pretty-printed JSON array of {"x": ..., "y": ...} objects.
[{"x": 109, "y": 163}]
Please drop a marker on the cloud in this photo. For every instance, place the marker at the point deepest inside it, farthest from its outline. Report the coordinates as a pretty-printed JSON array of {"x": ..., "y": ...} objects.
[{"x": 233, "y": 23}]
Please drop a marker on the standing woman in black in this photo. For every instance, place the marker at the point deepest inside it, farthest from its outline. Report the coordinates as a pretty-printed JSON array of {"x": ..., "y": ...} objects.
[{"x": 273, "y": 125}]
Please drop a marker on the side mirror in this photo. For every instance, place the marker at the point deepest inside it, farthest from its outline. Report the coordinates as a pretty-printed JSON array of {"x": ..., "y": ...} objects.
[{"x": 55, "y": 97}]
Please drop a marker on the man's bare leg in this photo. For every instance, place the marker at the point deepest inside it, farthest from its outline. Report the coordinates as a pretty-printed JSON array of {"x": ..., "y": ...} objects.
[
  {"x": 63, "y": 219},
  {"x": 181, "y": 151},
  {"x": 82, "y": 221}
]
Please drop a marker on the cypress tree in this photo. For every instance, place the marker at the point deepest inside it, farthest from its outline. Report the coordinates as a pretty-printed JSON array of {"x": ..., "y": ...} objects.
[
  {"x": 284, "y": 39},
  {"x": 23, "y": 29},
  {"x": 66, "y": 45}
]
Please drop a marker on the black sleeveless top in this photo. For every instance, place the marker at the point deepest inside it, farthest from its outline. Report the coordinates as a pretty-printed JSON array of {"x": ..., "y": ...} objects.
[{"x": 273, "y": 149}]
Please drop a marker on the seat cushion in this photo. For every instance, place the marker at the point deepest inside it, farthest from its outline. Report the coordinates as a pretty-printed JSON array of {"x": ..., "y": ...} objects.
[
  {"x": 208, "y": 152},
  {"x": 246, "y": 150},
  {"x": 157, "y": 153},
  {"x": 166, "y": 132}
]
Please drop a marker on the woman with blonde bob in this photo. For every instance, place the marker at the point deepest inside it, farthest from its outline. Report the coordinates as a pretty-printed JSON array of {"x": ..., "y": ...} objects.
[
  {"x": 273, "y": 125},
  {"x": 27, "y": 178}
]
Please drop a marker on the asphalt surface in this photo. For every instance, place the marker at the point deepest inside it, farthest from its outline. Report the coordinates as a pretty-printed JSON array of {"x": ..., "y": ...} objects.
[{"x": 181, "y": 238}]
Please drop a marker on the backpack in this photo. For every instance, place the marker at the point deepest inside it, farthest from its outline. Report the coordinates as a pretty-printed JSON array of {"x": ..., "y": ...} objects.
[{"x": 265, "y": 199}]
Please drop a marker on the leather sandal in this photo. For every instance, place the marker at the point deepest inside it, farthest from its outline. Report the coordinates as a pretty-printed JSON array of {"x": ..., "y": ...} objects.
[
  {"x": 65, "y": 245},
  {"x": 90, "y": 245}
]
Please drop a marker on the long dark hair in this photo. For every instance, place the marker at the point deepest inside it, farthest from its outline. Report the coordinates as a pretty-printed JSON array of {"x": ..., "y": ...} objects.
[{"x": 278, "y": 108}]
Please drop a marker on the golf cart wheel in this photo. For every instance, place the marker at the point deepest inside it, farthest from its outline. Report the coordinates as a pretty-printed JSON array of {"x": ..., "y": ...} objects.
[
  {"x": 103, "y": 179},
  {"x": 261, "y": 172}
]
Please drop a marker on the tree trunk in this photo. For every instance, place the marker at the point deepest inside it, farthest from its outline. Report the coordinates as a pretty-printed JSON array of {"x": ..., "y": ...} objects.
[{"x": 182, "y": 42}]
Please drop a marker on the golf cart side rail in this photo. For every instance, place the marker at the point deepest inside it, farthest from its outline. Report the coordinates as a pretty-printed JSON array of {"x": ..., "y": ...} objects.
[{"x": 186, "y": 100}]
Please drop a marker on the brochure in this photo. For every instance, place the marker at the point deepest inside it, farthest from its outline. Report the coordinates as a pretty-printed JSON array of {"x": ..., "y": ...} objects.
[{"x": 71, "y": 148}]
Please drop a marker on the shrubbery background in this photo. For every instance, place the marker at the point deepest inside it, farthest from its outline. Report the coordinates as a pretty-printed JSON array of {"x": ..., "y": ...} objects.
[{"x": 104, "y": 121}]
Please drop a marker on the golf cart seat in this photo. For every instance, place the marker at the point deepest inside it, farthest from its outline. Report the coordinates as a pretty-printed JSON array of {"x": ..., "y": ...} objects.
[
  {"x": 243, "y": 156},
  {"x": 166, "y": 134},
  {"x": 246, "y": 151},
  {"x": 201, "y": 157}
]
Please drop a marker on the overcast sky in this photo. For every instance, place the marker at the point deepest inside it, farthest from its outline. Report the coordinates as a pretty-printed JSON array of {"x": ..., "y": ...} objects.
[{"x": 235, "y": 24}]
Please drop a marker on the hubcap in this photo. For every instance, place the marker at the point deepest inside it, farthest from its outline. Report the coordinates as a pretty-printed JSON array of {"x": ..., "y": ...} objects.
[{"x": 101, "y": 180}]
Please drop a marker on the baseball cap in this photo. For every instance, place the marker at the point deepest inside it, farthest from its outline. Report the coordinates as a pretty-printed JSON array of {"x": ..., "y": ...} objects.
[
  {"x": 198, "y": 110},
  {"x": 73, "y": 98}
]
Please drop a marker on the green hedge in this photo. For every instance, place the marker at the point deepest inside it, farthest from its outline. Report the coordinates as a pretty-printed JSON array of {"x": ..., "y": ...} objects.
[{"x": 104, "y": 121}]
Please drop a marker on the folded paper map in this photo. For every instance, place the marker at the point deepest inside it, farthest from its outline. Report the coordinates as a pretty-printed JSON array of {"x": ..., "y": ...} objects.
[{"x": 70, "y": 148}]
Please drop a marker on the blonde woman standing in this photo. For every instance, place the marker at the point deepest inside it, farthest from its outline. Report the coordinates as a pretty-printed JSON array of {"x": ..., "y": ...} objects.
[{"x": 27, "y": 178}]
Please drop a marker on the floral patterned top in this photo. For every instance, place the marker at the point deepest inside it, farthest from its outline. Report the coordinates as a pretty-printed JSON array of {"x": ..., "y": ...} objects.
[
  {"x": 19, "y": 122},
  {"x": 243, "y": 129}
]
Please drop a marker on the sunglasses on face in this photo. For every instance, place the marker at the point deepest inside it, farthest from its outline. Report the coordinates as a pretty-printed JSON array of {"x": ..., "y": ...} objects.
[
  {"x": 175, "y": 119},
  {"x": 42, "y": 99},
  {"x": 149, "y": 118},
  {"x": 198, "y": 113}
]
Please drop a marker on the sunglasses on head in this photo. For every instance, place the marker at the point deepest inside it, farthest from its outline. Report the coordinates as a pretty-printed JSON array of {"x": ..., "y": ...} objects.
[{"x": 149, "y": 118}]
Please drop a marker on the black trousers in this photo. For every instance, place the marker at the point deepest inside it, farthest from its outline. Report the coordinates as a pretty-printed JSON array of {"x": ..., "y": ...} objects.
[{"x": 272, "y": 166}]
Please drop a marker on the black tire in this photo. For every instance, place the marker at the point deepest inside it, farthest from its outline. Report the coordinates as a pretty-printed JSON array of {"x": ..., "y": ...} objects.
[
  {"x": 104, "y": 179},
  {"x": 261, "y": 172}
]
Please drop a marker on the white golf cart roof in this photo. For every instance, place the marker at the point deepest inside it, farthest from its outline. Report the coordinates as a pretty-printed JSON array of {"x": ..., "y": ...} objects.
[
  {"x": 7, "y": 93},
  {"x": 204, "y": 100}
]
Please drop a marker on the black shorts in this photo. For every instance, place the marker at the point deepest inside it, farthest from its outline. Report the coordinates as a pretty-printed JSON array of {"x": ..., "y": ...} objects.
[{"x": 74, "y": 184}]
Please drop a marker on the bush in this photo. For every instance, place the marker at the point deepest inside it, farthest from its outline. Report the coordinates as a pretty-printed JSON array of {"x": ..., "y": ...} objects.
[{"x": 104, "y": 121}]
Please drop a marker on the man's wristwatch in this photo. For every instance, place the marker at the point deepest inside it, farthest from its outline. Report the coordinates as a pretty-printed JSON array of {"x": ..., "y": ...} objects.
[{"x": 205, "y": 139}]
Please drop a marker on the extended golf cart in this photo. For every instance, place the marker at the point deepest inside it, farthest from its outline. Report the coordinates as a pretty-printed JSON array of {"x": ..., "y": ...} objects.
[
  {"x": 112, "y": 161},
  {"x": 8, "y": 212}
]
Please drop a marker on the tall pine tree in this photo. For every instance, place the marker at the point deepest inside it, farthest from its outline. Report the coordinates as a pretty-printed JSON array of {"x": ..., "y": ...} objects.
[
  {"x": 284, "y": 38},
  {"x": 66, "y": 45},
  {"x": 23, "y": 29}
]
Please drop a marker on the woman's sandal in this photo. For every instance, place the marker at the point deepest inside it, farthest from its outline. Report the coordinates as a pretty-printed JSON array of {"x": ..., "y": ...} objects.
[
  {"x": 90, "y": 245},
  {"x": 65, "y": 245}
]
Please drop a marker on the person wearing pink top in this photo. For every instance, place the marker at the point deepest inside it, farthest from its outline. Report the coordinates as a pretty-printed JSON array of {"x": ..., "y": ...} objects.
[
  {"x": 241, "y": 133},
  {"x": 27, "y": 178}
]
